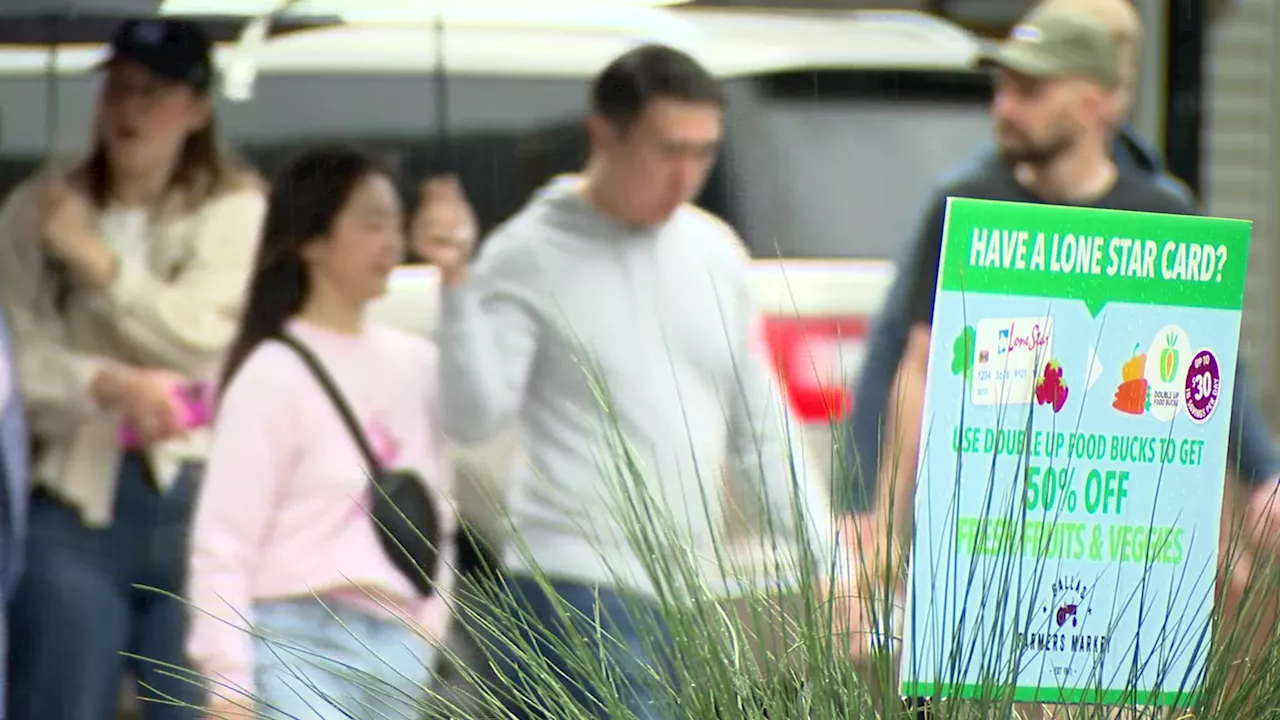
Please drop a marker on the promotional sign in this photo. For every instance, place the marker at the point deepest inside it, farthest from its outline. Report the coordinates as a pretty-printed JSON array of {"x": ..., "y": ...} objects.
[{"x": 1073, "y": 454}]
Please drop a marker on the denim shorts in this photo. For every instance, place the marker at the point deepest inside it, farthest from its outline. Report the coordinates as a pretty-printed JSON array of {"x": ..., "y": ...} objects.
[{"x": 321, "y": 660}]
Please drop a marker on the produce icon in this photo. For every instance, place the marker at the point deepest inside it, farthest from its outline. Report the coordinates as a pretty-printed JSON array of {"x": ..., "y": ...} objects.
[
  {"x": 1134, "y": 394},
  {"x": 1051, "y": 389},
  {"x": 1169, "y": 358},
  {"x": 962, "y": 351}
]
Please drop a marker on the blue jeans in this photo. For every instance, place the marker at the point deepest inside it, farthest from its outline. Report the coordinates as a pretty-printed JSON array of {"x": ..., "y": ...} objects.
[
  {"x": 78, "y": 609},
  {"x": 637, "y": 646},
  {"x": 320, "y": 660}
]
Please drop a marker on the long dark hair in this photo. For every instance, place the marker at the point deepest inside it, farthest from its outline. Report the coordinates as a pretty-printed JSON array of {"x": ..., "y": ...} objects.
[{"x": 306, "y": 198}]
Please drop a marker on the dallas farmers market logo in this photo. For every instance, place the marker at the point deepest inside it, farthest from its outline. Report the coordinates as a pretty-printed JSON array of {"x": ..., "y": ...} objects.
[{"x": 1062, "y": 622}]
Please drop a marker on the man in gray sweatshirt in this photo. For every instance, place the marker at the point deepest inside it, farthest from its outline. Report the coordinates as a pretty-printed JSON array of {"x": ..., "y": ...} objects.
[{"x": 613, "y": 321}]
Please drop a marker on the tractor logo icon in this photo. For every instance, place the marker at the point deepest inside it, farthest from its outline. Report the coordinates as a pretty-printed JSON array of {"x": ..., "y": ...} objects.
[{"x": 1069, "y": 612}]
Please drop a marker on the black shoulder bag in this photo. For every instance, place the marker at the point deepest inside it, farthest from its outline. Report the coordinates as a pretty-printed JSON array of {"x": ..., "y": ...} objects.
[{"x": 403, "y": 515}]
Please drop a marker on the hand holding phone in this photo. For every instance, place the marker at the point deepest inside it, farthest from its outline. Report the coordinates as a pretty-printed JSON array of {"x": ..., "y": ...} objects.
[{"x": 194, "y": 402}]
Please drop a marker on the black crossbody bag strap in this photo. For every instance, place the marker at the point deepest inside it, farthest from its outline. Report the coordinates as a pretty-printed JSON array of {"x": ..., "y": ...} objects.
[{"x": 335, "y": 397}]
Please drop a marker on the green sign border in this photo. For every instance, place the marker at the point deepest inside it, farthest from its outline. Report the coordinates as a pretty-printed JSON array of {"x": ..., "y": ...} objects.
[{"x": 1165, "y": 699}]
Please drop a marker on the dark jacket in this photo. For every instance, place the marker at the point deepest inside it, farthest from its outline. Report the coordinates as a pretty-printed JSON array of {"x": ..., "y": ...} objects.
[{"x": 854, "y": 483}]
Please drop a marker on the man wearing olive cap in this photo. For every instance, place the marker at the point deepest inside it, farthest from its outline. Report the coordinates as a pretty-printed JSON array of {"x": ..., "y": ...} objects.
[{"x": 1058, "y": 100}]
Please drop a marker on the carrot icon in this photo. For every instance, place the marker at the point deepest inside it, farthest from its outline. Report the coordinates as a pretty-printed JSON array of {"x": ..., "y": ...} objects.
[{"x": 1169, "y": 358}]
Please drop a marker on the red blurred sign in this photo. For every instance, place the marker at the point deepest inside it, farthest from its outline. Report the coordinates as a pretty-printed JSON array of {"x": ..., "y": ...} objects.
[{"x": 817, "y": 359}]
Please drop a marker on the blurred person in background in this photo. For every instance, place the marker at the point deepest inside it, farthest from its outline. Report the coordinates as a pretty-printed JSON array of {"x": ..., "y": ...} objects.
[
  {"x": 14, "y": 474},
  {"x": 1047, "y": 150},
  {"x": 613, "y": 284},
  {"x": 297, "y": 610},
  {"x": 123, "y": 276}
]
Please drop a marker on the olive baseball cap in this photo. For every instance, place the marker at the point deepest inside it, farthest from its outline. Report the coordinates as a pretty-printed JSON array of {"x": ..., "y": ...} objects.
[{"x": 1053, "y": 42}]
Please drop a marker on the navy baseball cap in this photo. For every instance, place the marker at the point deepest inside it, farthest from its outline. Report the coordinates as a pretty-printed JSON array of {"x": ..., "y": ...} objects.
[{"x": 177, "y": 50}]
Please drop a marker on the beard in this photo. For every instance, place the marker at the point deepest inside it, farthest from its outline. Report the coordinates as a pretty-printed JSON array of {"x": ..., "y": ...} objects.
[{"x": 1023, "y": 150}]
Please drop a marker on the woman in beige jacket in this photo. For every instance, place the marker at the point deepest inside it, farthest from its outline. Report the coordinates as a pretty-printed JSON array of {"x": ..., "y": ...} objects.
[{"x": 123, "y": 277}]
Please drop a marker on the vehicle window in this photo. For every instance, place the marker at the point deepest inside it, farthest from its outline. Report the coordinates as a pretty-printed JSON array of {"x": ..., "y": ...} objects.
[
  {"x": 838, "y": 164},
  {"x": 827, "y": 164}
]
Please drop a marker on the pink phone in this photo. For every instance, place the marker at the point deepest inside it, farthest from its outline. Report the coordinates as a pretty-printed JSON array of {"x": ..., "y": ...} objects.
[{"x": 195, "y": 398}]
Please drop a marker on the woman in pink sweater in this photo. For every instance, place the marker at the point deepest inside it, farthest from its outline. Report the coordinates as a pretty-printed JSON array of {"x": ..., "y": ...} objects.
[{"x": 299, "y": 611}]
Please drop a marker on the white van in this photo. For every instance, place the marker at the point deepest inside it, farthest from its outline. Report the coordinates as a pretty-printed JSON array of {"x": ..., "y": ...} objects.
[{"x": 837, "y": 125}]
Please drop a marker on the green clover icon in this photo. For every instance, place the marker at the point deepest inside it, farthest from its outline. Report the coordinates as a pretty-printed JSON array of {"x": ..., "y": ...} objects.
[{"x": 963, "y": 351}]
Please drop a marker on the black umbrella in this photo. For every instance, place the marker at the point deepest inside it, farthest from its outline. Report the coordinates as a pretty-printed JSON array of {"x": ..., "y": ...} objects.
[
  {"x": 74, "y": 22},
  {"x": 47, "y": 29},
  {"x": 53, "y": 23}
]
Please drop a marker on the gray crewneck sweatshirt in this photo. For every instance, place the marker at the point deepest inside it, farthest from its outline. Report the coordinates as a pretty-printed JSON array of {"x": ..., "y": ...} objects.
[{"x": 593, "y": 336}]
